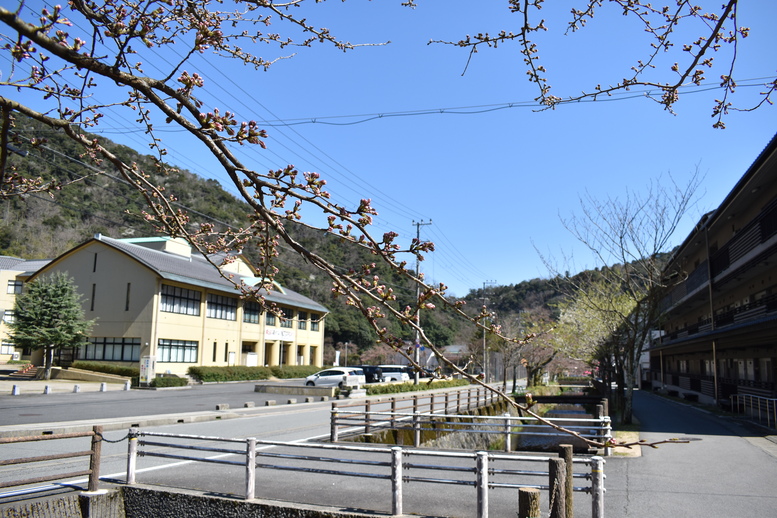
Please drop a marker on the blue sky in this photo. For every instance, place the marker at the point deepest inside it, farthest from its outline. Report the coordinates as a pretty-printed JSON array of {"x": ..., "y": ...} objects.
[{"x": 403, "y": 125}]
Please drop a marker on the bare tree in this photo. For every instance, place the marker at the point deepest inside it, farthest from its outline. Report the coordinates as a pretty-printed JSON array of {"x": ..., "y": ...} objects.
[{"x": 632, "y": 236}]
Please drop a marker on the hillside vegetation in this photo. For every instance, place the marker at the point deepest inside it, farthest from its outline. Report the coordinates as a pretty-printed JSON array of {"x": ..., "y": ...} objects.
[{"x": 44, "y": 226}]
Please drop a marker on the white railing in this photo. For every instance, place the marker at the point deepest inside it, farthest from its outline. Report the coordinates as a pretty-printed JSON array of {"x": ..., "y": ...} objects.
[
  {"x": 759, "y": 408},
  {"x": 482, "y": 470},
  {"x": 507, "y": 426}
]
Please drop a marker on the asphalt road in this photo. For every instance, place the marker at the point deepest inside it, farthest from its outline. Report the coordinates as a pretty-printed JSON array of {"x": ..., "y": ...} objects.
[{"x": 36, "y": 407}]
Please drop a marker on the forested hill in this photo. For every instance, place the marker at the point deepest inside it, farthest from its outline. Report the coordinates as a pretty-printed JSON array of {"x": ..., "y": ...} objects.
[{"x": 44, "y": 226}]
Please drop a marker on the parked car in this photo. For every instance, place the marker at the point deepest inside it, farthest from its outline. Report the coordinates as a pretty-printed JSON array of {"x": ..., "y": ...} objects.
[
  {"x": 372, "y": 373},
  {"x": 394, "y": 372},
  {"x": 423, "y": 373},
  {"x": 335, "y": 377}
]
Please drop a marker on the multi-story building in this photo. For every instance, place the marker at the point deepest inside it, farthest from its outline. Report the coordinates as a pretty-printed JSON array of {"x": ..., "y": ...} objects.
[
  {"x": 719, "y": 318},
  {"x": 154, "y": 298}
]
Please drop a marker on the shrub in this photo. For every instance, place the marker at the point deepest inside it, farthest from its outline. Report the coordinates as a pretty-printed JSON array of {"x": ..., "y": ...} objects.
[
  {"x": 293, "y": 371},
  {"x": 169, "y": 381},
  {"x": 107, "y": 368},
  {"x": 396, "y": 388},
  {"x": 234, "y": 373}
]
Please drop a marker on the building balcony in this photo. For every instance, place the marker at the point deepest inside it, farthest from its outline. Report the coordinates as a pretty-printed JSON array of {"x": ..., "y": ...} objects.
[{"x": 753, "y": 312}]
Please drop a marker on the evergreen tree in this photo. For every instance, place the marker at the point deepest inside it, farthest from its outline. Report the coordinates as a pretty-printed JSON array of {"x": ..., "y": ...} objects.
[{"x": 48, "y": 316}]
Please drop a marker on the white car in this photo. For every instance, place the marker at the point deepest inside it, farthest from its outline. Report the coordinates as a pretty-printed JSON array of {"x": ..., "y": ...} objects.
[
  {"x": 394, "y": 372},
  {"x": 336, "y": 377}
]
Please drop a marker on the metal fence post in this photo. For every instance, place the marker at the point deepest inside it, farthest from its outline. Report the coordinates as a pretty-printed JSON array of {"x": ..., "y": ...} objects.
[
  {"x": 132, "y": 455},
  {"x": 393, "y": 412},
  {"x": 458, "y": 402},
  {"x": 416, "y": 429},
  {"x": 333, "y": 424},
  {"x": 557, "y": 482},
  {"x": 482, "y": 483},
  {"x": 445, "y": 411},
  {"x": 396, "y": 481},
  {"x": 431, "y": 403},
  {"x": 367, "y": 408},
  {"x": 597, "y": 487},
  {"x": 607, "y": 429},
  {"x": 508, "y": 437},
  {"x": 94, "y": 458},
  {"x": 250, "y": 468}
]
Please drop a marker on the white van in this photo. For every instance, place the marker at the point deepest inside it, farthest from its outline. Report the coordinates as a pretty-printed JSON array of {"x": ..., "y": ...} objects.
[{"x": 394, "y": 372}]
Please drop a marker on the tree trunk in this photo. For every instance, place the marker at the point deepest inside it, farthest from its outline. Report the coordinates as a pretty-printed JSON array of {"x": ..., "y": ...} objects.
[{"x": 48, "y": 360}]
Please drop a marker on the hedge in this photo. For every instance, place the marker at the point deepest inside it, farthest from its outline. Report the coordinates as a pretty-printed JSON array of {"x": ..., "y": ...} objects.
[
  {"x": 242, "y": 373},
  {"x": 396, "y": 388},
  {"x": 234, "y": 373},
  {"x": 294, "y": 371},
  {"x": 169, "y": 381}
]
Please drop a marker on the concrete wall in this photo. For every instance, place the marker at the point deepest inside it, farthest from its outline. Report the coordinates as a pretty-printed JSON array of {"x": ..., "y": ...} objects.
[
  {"x": 148, "y": 502},
  {"x": 82, "y": 375}
]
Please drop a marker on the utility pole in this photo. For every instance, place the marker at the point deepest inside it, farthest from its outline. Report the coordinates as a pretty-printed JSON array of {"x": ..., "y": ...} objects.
[
  {"x": 416, "y": 345},
  {"x": 485, "y": 349}
]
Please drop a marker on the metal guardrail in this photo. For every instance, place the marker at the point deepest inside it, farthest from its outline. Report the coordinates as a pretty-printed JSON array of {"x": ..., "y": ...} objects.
[
  {"x": 757, "y": 407},
  {"x": 598, "y": 429},
  {"x": 93, "y": 453},
  {"x": 450, "y": 401},
  {"x": 443, "y": 413},
  {"x": 394, "y": 464}
]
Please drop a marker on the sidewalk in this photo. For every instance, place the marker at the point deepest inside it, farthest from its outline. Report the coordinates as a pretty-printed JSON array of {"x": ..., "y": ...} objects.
[{"x": 725, "y": 469}]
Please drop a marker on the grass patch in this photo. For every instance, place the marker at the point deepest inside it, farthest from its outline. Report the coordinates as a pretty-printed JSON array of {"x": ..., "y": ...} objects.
[{"x": 623, "y": 436}]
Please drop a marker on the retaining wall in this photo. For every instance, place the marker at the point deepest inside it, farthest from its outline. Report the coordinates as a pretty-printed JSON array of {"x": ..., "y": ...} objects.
[{"x": 148, "y": 502}]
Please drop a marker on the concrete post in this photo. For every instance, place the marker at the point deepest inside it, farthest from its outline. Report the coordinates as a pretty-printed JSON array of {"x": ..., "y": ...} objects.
[
  {"x": 15, "y": 390},
  {"x": 396, "y": 481},
  {"x": 482, "y": 483},
  {"x": 333, "y": 422},
  {"x": 250, "y": 468},
  {"x": 47, "y": 389},
  {"x": 76, "y": 388},
  {"x": 94, "y": 459},
  {"x": 127, "y": 385},
  {"x": 529, "y": 503},
  {"x": 557, "y": 482},
  {"x": 565, "y": 452},
  {"x": 132, "y": 455},
  {"x": 103, "y": 387}
]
